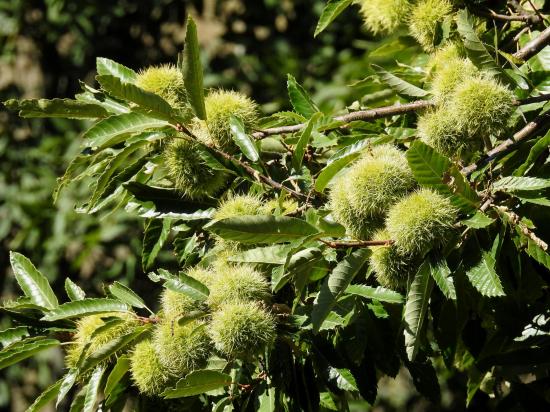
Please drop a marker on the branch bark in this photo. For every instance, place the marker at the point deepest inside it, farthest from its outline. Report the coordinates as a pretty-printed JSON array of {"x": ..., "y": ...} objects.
[
  {"x": 540, "y": 122},
  {"x": 526, "y": 17},
  {"x": 534, "y": 46},
  {"x": 344, "y": 244}
]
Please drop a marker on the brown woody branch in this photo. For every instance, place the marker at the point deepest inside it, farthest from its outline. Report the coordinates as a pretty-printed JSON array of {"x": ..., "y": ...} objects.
[
  {"x": 515, "y": 220},
  {"x": 534, "y": 46},
  {"x": 343, "y": 244},
  {"x": 249, "y": 169},
  {"x": 378, "y": 113},
  {"x": 528, "y": 130},
  {"x": 525, "y": 17}
]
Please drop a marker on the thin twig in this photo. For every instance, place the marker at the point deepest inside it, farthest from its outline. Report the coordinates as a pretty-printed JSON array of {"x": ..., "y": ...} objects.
[
  {"x": 534, "y": 46},
  {"x": 365, "y": 115},
  {"x": 515, "y": 220},
  {"x": 378, "y": 113},
  {"x": 249, "y": 169},
  {"x": 343, "y": 244},
  {"x": 528, "y": 18},
  {"x": 528, "y": 130}
]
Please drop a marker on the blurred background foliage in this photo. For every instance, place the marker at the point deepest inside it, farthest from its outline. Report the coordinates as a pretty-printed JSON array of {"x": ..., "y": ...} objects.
[{"x": 47, "y": 46}]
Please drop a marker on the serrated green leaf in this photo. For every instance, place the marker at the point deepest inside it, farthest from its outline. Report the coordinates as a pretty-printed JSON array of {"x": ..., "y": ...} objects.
[
  {"x": 336, "y": 284},
  {"x": 197, "y": 382},
  {"x": 65, "y": 108},
  {"x": 67, "y": 382},
  {"x": 83, "y": 307},
  {"x": 330, "y": 12},
  {"x": 516, "y": 183},
  {"x": 300, "y": 100},
  {"x": 105, "y": 179},
  {"x": 191, "y": 316},
  {"x": 435, "y": 171},
  {"x": 476, "y": 50},
  {"x": 45, "y": 397},
  {"x": 400, "y": 86},
  {"x": 111, "y": 347},
  {"x": 97, "y": 97},
  {"x": 154, "y": 237},
  {"x": 92, "y": 391},
  {"x": 126, "y": 295},
  {"x": 117, "y": 373},
  {"x": 241, "y": 139},
  {"x": 23, "y": 349},
  {"x": 301, "y": 145},
  {"x": 442, "y": 276},
  {"x": 377, "y": 293},
  {"x": 540, "y": 147},
  {"x": 478, "y": 221},
  {"x": 192, "y": 70},
  {"x": 33, "y": 283},
  {"x": 331, "y": 169},
  {"x": 274, "y": 255},
  {"x": 261, "y": 229},
  {"x": 484, "y": 277},
  {"x": 188, "y": 286},
  {"x": 74, "y": 292},
  {"x": 151, "y": 104},
  {"x": 115, "y": 129},
  {"x": 416, "y": 309},
  {"x": 343, "y": 379},
  {"x": 11, "y": 335},
  {"x": 109, "y": 67}
]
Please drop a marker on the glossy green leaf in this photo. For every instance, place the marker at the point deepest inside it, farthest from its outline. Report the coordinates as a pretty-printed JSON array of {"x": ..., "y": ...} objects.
[
  {"x": 33, "y": 283},
  {"x": 242, "y": 140},
  {"x": 198, "y": 382},
  {"x": 301, "y": 145},
  {"x": 442, "y": 275},
  {"x": 435, "y": 171},
  {"x": 416, "y": 309},
  {"x": 540, "y": 147},
  {"x": 330, "y": 12},
  {"x": 275, "y": 255},
  {"x": 154, "y": 237},
  {"x": 478, "y": 221},
  {"x": 192, "y": 70},
  {"x": 343, "y": 378},
  {"x": 378, "y": 293},
  {"x": 67, "y": 382},
  {"x": 105, "y": 179},
  {"x": 64, "y": 108},
  {"x": 74, "y": 292},
  {"x": 45, "y": 398},
  {"x": 151, "y": 104},
  {"x": 83, "y": 307},
  {"x": 475, "y": 48},
  {"x": 300, "y": 100},
  {"x": 484, "y": 277},
  {"x": 115, "y": 129},
  {"x": 336, "y": 284},
  {"x": 109, "y": 67},
  {"x": 400, "y": 86},
  {"x": 112, "y": 347},
  {"x": 516, "y": 183},
  {"x": 23, "y": 349},
  {"x": 188, "y": 286},
  {"x": 261, "y": 229},
  {"x": 126, "y": 295},
  {"x": 93, "y": 389},
  {"x": 11, "y": 335},
  {"x": 117, "y": 373}
]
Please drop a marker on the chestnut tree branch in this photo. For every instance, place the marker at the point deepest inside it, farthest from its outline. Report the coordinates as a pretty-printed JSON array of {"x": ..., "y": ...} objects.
[
  {"x": 343, "y": 244},
  {"x": 540, "y": 122},
  {"x": 534, "y": 46},
  {"x": 378, "y": 113}
]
